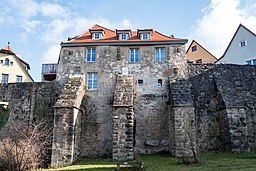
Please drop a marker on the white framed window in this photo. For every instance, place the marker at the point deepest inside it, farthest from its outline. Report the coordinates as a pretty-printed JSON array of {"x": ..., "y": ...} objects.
[
  {"x": 144, "y": 36},
  {"x": 18, "y": 78},
  {"x": 91, "y": 55},
  {"x": 134, "y": 55},
  {"x": 92, "y": 81},
  {"x": 123, "y": 36},
  {"x": 96, "y": 36},
  {"x": 5, "y": 78},
  {"x": 242, "y": 43},
  {"x": 160, "y": 54}
]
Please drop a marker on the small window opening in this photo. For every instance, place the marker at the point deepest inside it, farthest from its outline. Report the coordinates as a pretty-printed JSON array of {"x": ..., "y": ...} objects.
[
  {"x": 160, "y": 83},
  {"x": 70, "y": 53},
  {"x": 77, "y": 70},
  {"x": 194, "y": 48},
  {"x": 199, "y": 61},
  {"x": 140, "y": 82}
]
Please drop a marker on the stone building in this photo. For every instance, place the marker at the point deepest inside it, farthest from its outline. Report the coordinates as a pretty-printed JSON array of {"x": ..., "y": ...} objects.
[
  {"x": 125, "y": 73},
  {"x": 121, "y": 93}
]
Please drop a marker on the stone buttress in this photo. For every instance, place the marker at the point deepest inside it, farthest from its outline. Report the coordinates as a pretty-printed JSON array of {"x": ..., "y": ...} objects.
[
  {"x": 123, "y": 119},
  {"x": 67, "y": 109}
]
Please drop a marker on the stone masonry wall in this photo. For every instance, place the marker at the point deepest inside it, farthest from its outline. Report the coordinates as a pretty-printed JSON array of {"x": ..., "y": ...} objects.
[
  {"x": 224, "y": 99},
  {"x": 31, "y": 102},
  {"x": 66, "y": 112},
  {"x": 151, "y": 99},
  {"x": 123, "y": 119}
]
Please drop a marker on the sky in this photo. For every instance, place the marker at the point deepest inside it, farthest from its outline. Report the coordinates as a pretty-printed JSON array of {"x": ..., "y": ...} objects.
[{"x": 35, "y": 28}]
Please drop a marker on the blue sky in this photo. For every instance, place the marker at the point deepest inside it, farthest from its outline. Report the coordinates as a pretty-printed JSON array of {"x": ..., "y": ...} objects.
[{"x": 36, "y": 28}]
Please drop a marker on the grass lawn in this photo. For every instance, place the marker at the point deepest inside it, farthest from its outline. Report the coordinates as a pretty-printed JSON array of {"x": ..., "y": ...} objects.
[{"x": 210, "y": 162}]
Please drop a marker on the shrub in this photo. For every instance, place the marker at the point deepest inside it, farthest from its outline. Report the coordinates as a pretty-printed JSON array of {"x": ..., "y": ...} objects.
[{"x": 22, "y": 147}]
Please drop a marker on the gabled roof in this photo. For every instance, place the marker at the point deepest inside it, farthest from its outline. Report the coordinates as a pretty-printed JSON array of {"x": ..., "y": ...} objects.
[
  {"x": 8, "y": 50},
  {"x": 111, "y": 37},
  {"x": 240, "y": 26},
  {"x": 201, "y": 47}
]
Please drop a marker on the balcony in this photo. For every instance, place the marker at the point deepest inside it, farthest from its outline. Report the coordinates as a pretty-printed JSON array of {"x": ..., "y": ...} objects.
[{"x": 49, "y": 72}]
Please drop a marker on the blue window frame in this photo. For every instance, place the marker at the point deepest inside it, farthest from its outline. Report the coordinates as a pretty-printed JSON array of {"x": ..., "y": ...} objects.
[
  {"x": 6, "y": 61},
  {"x": 5, "y": 78},
  {"x": 91, "y": 55},
  {"x": 194, "y": 48},
  {"x": 134, "y": 55},
  {"x": 160, "y": 55},
  {"x": 92, "y": 81},
  {"x": 18, "y": 78},
  {"x": 251, "y": 62}
]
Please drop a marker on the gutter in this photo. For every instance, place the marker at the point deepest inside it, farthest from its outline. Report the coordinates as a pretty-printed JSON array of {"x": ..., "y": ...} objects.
[{"x": 184, "y": 41}]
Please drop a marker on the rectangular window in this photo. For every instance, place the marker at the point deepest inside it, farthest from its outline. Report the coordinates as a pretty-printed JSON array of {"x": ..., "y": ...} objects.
[
  {"x": 91, "y": 55},
  {"x": 194, "y": 48},
  {"x": 134, "y": 55},
  {"x": 18, "y": 78},
  {"x": 159, "y": 82},
  {"x": 5, "y": 78},
  {"x": 160, "y": 54},
  {"x": 144, "y": 36},
  {"x": 140, "y": 83},
  {"x": 242, "y": 43},
  {"x": 92, "y": 81},
  {"x": 251, "y": 62},
  {"x": 96, "y": 36},
  {"x": 123, "y": 36}
]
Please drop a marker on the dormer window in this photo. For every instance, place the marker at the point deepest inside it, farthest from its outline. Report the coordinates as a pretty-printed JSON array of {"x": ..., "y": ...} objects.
[
  {"x": 123, "y": 34},
  {"x": 97, "y": 34},
  {"x": 145, "y": 34}
]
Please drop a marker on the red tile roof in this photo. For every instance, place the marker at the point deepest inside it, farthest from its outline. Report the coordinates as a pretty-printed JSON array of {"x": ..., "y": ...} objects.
[
  {"x": 111, "y": 36},
  {"x": 8, "y": 49}
]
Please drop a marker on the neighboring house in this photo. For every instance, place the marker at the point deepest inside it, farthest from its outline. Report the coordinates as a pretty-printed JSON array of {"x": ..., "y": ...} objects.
[
  {"x": 12, "y": 68},
  {"x": 241, "y": 49},
  {"x": 198, "y": 54}
]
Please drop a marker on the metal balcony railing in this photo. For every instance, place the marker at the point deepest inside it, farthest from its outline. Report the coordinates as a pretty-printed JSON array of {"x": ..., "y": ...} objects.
[{"x": 49, "y": 69}]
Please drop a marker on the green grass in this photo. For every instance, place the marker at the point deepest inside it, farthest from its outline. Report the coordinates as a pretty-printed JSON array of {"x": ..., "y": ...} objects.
[{"x": 210, "y": 162}]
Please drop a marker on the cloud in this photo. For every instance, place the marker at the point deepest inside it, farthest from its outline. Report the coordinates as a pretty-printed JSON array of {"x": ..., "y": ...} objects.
[
  {"x": 25, "y": 8},
  {"x": 30, "y": 25},
  {"x": 51, "y": 55},
  {"x": 52, "y": 10},
  {"x": 219, "y": 23}
]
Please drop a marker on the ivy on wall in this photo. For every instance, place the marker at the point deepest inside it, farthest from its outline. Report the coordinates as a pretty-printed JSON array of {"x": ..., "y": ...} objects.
[{"x": 4, "y": 115}]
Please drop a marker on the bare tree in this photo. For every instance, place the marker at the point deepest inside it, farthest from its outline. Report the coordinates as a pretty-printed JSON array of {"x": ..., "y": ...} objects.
[{"x": 22, "y": 146}]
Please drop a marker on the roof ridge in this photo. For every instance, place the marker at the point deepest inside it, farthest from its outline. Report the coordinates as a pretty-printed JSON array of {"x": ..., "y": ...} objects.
[{"x": 89, "y": 30}]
